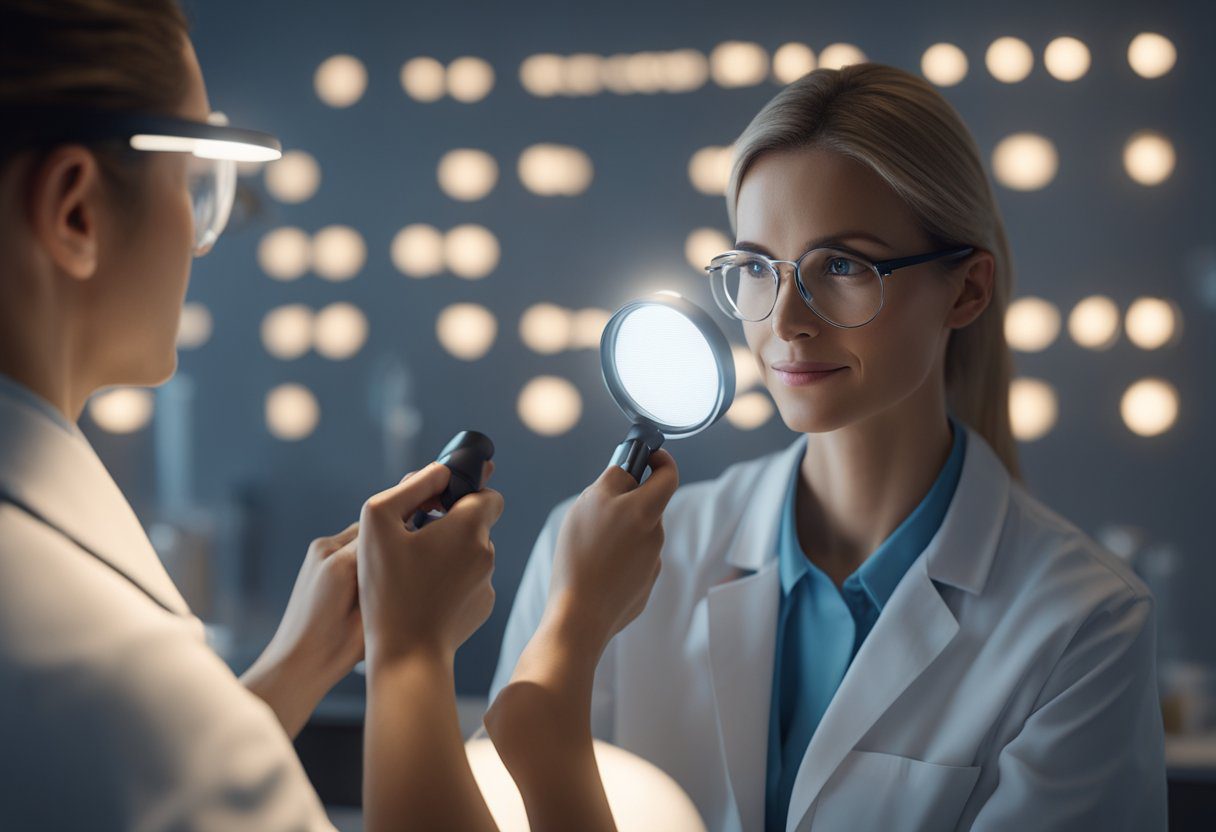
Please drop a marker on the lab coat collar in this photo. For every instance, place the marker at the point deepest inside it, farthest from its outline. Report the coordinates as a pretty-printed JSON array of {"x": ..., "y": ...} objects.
[{"x": 56, "y": 476}]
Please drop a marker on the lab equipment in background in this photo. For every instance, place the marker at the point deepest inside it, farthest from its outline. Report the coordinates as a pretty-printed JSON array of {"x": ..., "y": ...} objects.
[
  {"x": 392, "y": 407},
  {"x": 669, "y": 369}
]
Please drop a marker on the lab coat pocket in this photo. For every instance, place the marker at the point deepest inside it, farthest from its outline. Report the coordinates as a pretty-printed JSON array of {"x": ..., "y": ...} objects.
[{"x": 871, "y": 790}]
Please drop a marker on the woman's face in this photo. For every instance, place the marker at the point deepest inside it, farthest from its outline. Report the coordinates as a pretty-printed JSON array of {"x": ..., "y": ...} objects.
[{"x": 791, "y": 201}]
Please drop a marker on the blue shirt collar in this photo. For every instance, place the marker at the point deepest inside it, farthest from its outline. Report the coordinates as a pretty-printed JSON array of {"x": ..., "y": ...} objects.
[
  {"x": 15, "y": 391},
  {"x": 882, "y": 571}
]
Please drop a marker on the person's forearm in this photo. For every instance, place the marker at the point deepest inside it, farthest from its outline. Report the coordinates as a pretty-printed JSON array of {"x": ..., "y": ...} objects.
[
  {"x": 415, "y": 772},
  {"x": 292, "y": 696}
]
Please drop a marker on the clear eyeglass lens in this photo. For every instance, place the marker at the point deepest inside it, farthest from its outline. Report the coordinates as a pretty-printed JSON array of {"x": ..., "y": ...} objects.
[
  {"x": 744, "y": 286},
  {"x": 212, "y": 194},
  {"x": 844, "y": 289}
]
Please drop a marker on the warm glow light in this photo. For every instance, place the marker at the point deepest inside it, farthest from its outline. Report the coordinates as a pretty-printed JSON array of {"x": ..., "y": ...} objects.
[
  {"x": 285, "y": 253},
  {"x": 703, "y": 245},
  {"x": 944, "y": 64},
  {"x": 1148, "y": 157},
  {"x": 684, "y": 70},
  {"x": 1094, "y": 323},
  {"x": 747, "y": 372},
  {"x": 424, "y": 79},
  {"x": 1033, "y": 408},
  {"x": 1031, "y": 324},
  {"x": 339, "y": 331},
  {"x": 466, "y": 330},
  {"x": 338, "y": 252},
  {"x": 792, "y": 61},
  {"x": 1149, "y": 407},
  {"x": 839, "y": 55},
  {"x": 121, "y": 410},
  {"x": 581, "y": 75},
  {"x": 1009, "y": 59},
  {"x": 467, "y": 175},
  {"x": 644, "y": 72},
  {"x": 750, "y": 410},
  {"x": 287, "y": 331},
  {"x": 1151, "y": 55},
  {"x": 709, "y": 169},
  {"x": 471, "y": 251},
  {"x": 340, "y": 81},
  {"x": 1067, "y": 59},
  {"x": 470, "y": 79},
  {"x": 736, "y": 63},
  {"x": 541, "y": 75},
  {"x": 293, "y": 178},
  {"x": 194, "y": 326},
  {"x": 417, "y": 250},
  {"x": 555, "y": 170},
  {"x": 1151, "y": 323},
  {"x": 587, "y": 327},
  {"x": 549, "y": 405},
  {"x": 1025, "y": 162},
  {"x": 615, "y": 74},
  {"x": 292, "y": 412},
  {"x": 546, "y": 328}
]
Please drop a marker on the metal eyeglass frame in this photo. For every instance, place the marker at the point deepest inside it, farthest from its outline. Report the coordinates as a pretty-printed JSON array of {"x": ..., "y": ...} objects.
[{"x": 882, "y": 268}]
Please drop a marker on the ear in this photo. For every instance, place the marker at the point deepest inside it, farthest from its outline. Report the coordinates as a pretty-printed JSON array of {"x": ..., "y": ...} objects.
[
  {"x": 978, "y": 272},
  {"x": 62, "y": 198}
]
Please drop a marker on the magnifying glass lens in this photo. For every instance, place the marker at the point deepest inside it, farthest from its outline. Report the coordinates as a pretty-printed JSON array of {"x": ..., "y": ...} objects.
[{"x": 666, "y": 366}]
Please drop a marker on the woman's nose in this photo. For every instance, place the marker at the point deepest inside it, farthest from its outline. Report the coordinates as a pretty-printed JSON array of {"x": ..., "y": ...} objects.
[{"x": 791, "y": 317}]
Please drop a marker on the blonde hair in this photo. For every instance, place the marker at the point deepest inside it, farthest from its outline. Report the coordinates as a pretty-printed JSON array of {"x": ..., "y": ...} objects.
[{"x": 904, "y": 130}]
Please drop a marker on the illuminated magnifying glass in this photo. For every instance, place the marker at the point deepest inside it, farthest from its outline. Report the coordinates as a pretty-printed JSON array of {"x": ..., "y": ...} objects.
[{"x": 670, "y": 370}]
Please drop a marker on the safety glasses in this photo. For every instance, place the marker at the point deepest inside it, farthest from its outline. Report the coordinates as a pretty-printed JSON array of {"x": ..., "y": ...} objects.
[{"x": 214, "y": 149}]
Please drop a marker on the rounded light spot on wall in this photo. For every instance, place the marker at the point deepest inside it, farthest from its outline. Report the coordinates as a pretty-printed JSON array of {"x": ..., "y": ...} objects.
[
  {"x": 1151, "y": 55},
  {"x": 294, "y": 177},
  {"x": 471, "y": 251},
  {"x": 1148, "y": 157},
  {"x": 587, "y": 327},
  {"x": 555, "y": 170},
  {"x": 1031, "y": 324},
  {"x": 549, "y": 405},
  {"x": 747, "y": 372},
  {"x": 1094, "y": 323},
  {"x": 285, "y": 253},
  {"x": 703, "y": 245},
  {"x": 122, "y": 410},
  {"x": 338, "y": 252},
  {"x": 292, "y": 412},
  {"x": 1149, "y": 407},
  {"x": 1152, "y": 323},
  {"x": 541, "y": 75},
  {"x": 466, "y": 330},
  {"x": 684, "y": 70},
  {"x": 340, "y": 81},
  {"x": 417, "y": 250},
  {"x": 615, "y": 74},
  {"x": 1033, "y": 408},
  {"x": 709, "y": 169},
  {"x": 838, "y": 55},
  {"x": 1025, "y": 161},
  {"x": 339, "y": 331},
  {"x": 470, "y": 79},
  {"x": 791, "y": 61},
  {"x": 1009, "y": 59},
  {"x": 581, "y": 74},
  {"x": 194, "y": 326},
  {"x": 1066, "y": 58},
  {"x": 944, "y": 64},
  {"x": 737, "y": 63},
  {"x": 546, "y": 328},
  {"x": 467, "y": 175},
  {"x": 750, "y": 410},
  {"x": 424, "y": 79},
  {"x": 644, "y": 72},
  {"x": 287, "y": 331}
]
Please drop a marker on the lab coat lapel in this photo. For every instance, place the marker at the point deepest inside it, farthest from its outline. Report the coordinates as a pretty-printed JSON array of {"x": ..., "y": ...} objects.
[{"x": 57, "y": 477}]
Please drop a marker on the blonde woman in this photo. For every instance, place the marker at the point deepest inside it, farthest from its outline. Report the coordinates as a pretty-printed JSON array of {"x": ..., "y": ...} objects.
[{"x": 878, "y": 627}]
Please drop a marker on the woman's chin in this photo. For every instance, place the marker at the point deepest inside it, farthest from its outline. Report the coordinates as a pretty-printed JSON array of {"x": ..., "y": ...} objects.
[{"x": 803, "y": 416}]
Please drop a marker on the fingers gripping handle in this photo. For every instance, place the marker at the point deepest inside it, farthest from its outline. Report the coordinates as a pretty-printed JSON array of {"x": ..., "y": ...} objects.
[
  {"x": 634, "y": 453},
  {"x": 465, "y": 455}
]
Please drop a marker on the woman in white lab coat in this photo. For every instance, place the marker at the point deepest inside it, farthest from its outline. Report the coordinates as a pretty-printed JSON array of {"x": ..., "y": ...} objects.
[
  {"x": 878, "y": 627},
  {"x": 114, "y": 713}
]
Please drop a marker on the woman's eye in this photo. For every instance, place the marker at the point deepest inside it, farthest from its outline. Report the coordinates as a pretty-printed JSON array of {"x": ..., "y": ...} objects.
[{"x": 842, "y": 267}]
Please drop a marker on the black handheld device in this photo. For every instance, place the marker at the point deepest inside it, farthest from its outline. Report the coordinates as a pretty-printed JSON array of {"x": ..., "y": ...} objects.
[{"x": 465, "y": 455}]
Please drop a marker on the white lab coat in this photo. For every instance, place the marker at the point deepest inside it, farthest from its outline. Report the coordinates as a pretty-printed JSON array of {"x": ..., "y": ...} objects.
[
  {"x": 114, "y": 713},
  {"x": 1009, "y": 683}
]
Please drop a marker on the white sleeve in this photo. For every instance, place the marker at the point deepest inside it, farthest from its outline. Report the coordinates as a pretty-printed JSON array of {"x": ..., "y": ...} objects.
[
  {"x": 525, "y": 617},
  {"x": 1091, "y": 754}
]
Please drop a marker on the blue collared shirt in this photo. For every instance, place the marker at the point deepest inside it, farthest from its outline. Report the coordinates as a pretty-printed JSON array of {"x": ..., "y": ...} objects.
[
  {"x": 820, "y": 628},
  {"x": 15, "y": 391}
]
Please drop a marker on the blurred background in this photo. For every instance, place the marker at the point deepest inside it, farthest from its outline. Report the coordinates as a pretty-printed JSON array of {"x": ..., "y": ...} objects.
[{"x": 469, "y": 189}]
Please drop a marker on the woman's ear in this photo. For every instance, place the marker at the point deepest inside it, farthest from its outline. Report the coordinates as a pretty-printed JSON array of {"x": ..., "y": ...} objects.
[
  {"x": 64, "y": 193},
  {"x": 978, "y": 272}
]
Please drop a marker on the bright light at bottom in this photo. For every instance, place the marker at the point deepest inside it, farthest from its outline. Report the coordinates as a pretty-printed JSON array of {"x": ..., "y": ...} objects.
[
  {"x": 1033, "y": 408},
  {"x": 750, "y": 411},
  {"x": 1150, "y": 407},
  {"x": 124, "y": 410},
  {"x": 292, "y": 412},
  {"x": 549, "y": 405}
]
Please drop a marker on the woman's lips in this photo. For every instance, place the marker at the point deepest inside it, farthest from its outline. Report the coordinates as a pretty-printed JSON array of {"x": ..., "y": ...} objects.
[{"x": 801, "y": 373}]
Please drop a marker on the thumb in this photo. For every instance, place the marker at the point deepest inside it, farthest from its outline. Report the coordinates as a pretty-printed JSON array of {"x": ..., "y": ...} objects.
[{"x": 407, "y": 496}]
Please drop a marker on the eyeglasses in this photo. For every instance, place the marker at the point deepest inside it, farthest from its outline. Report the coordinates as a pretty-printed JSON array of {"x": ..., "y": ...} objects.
[
  {"x": 214, "y": 148},
  {"x": 840, "y": 286}
]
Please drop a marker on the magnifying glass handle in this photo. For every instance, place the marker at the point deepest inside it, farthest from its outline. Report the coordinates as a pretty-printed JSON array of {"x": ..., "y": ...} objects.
[{"x": 634, "y": 453}]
